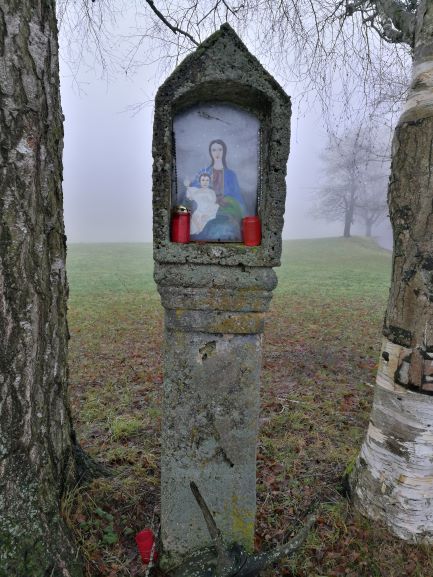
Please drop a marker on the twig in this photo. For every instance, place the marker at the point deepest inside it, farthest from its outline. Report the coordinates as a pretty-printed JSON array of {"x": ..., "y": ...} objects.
[
  {"x": 214, "y": 532},
  {"x": 174, "y": 29}
]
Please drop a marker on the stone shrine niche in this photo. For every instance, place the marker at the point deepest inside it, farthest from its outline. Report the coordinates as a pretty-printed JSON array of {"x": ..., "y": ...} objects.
[
  {"x": 220, "y": 92},
  {"x": 216, "y": 169}
]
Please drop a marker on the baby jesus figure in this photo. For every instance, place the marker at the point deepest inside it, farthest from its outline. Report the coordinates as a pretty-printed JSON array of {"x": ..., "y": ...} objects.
[{"x": 205, "y": 199}]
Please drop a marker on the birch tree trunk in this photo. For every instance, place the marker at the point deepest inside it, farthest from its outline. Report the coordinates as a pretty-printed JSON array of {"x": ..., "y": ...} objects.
[
  {"x": 393, "y": 477},
  {"x": 36, "y": 438}
]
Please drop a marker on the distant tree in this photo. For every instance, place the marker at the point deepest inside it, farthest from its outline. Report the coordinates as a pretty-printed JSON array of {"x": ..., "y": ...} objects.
[
  {"x": 372, "y": 211},
  {"x": 344, "y": 191},
  {"x": 371, "y": 206}
]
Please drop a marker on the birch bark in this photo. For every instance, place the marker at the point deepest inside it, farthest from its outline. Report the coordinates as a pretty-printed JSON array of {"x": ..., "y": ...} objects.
[
  {"x": 393, "y": 477},
  {"x": 36, "y": 438}
]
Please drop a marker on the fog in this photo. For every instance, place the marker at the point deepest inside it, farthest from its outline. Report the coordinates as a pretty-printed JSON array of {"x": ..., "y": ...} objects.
[{"x": 108, "y": 161}]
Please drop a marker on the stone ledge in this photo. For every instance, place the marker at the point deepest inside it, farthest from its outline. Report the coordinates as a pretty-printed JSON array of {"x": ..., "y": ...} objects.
[
  {"x": 214, "y": 322},
  {"x": 214, "y": 276},
  {"x": 215, "y": 299}
]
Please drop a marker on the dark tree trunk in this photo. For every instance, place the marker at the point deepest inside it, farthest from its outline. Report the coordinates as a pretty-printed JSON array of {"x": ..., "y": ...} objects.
[
  {"x": 350, "y": 203},
  {"x": 348, "y": 219},
  {"x": 392, "y": 479},
  {"x": 347, "y": 226},
  {"x": 368, "y": 228},
  {"x": 36, "y": 439}
]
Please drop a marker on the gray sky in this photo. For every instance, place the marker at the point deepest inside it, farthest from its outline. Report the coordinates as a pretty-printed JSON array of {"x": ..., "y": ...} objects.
[{"x": 108, "y": 161}]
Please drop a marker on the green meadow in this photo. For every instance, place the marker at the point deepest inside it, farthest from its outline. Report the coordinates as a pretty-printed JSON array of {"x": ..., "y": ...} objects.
[{"x": 322, "y": 341}]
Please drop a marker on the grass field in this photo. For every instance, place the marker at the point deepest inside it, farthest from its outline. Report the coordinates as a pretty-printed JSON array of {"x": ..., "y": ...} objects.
[{"x": 322, "y": 341}]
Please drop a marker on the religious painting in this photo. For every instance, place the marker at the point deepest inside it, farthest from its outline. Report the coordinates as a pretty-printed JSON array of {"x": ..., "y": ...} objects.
[{"x": 216, "y": 169}]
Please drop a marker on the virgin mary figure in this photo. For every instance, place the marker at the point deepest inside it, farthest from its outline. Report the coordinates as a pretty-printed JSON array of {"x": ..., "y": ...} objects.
[{"x": 225, "y": 225}]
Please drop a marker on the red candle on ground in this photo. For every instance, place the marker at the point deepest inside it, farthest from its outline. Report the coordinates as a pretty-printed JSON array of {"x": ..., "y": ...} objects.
[
  {"x": 145, "y": 540},
  {"x": 251, "y": 230}
]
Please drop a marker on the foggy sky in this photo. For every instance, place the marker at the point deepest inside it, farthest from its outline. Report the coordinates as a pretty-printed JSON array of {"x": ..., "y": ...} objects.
[{"x": 108, "y": 162}]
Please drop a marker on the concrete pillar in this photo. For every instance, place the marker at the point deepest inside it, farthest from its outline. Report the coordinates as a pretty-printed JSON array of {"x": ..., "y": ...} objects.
[{"x": 213, "y": 335}]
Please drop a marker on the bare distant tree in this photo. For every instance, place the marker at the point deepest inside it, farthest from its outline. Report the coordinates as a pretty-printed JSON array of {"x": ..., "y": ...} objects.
[
  {"x": 371, "y": 206},
  {"x": 372, "y": 212},
  {"x": 343, "y": 192}
]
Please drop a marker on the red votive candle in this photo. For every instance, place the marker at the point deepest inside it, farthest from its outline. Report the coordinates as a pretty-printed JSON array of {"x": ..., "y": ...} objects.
[
  {"x": 180, "y": 225},
  {"x": 251, "y": 230},
  {"x": 145, "y": 540}
]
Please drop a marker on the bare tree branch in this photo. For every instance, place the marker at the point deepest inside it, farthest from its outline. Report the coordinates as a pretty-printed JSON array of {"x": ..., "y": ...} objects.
[
  {"x": 174, "y": 29},
  {"x": 346, "y": 51}
]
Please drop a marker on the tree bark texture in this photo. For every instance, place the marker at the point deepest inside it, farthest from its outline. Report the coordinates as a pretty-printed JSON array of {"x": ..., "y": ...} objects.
[
  {"x": 393, "y": 477},
  {"x": 36, "y": 438}
]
